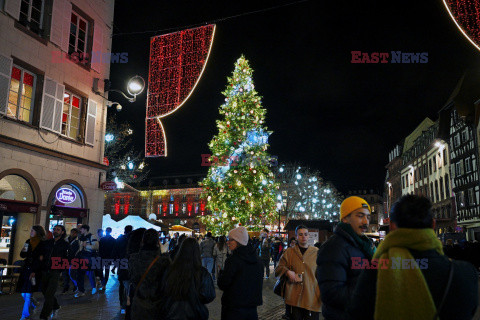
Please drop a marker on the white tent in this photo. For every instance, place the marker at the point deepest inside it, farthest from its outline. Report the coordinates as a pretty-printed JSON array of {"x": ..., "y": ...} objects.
[{"x": 118, "y": 227}]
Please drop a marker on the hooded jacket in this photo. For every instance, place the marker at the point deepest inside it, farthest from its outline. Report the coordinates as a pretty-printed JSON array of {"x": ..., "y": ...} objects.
[{"x": 242, "y": 279}]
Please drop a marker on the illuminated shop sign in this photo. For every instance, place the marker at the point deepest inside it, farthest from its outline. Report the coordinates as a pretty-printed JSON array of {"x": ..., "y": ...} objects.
[{"x": 65, "y": 195}]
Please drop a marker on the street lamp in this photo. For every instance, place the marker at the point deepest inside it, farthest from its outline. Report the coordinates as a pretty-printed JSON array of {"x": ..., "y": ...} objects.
[{"x": 135, "y": 86}]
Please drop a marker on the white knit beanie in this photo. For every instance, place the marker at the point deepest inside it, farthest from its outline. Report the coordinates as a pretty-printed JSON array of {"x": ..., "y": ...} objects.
[{"x": 240, "y": 235}]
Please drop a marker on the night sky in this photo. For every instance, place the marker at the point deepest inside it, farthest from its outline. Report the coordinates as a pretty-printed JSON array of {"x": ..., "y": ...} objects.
[{"x": 326, "y": 113}]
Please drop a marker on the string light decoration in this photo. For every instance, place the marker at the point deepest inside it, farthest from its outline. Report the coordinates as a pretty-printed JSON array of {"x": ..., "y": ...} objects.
[
  {"x": 177, "y": 62},
  {"x": 241, "y": 188},
  {"x": 466, "y": 15}
]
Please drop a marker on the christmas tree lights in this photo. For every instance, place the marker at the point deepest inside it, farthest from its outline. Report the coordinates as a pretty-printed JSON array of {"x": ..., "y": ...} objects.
[
  {"x": 240, "y": 189},
  {"x": 466, "y": 15}
]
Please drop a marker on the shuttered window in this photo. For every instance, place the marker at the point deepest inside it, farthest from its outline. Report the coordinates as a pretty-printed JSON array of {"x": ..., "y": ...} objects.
[
  {"x": 31, "y": 14},
  {"x": 72, "y": 109}
]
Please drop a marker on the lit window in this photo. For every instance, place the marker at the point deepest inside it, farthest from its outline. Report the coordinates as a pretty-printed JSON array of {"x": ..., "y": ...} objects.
[
  {"x": 20, "y": 98},
  {"x": 72, "y": 105}
]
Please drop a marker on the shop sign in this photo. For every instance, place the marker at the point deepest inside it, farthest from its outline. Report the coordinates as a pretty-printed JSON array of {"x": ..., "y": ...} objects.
[
  {"x": 33, "y": 210},
  {"x": 108, "y": 186},
  {"x": 65, "y": 195}
]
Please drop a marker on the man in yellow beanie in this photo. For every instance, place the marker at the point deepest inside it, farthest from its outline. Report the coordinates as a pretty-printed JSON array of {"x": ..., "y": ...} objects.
[{"x": 335, "y": 275}]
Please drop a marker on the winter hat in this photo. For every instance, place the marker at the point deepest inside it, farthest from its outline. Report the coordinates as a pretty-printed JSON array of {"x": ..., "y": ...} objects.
[
  {"x": 351, "y": 204},
  {"x": 240, "y": 235}
]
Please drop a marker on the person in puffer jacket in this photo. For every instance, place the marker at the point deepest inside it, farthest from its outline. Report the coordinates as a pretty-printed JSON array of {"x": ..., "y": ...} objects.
[{"x": 242, "y": 279}]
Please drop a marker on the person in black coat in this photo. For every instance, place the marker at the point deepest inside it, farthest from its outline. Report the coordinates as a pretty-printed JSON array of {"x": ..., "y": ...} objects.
[
  {"x": 32, "y": 252},
  {"x": 242, "y": 279},
  {"x": 413, "y": 214},
  {"x": 335, "y": 275},
  {"x": 55, "y": 251},
  {"x": 120, "y": 252},
  {"x": 146, "y": 296},
  {"x": 105, "y": 250},
  {"x": 70, "y": 274},
  {"x": 187, "y": 286}
]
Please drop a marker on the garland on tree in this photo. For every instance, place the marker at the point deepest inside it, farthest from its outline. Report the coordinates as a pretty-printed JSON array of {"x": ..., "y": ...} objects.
[{"x": 240, "y": 188}]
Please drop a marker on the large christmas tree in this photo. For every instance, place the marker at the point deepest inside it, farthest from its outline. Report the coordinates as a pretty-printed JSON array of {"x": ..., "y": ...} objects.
[{"x": 239, "y": 187}]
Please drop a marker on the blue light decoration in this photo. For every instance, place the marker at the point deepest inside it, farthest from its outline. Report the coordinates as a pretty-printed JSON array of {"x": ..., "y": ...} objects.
[
  {"x": 255, "y": 138},
  {"x": 11, "y": 221},
  {"x": 130, "y": 165},
  {"x": 109, "y": 137}
]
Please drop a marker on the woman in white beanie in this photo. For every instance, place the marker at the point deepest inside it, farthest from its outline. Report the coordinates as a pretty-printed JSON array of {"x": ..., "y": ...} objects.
[{"x": 242, "y": 279}]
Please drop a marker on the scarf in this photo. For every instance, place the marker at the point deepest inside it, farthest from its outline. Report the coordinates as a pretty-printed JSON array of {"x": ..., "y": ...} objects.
[
  {"x": 34, "y": 242},
  {"x": 364, "y": 243},
  {"x": 404, "y": 293}
]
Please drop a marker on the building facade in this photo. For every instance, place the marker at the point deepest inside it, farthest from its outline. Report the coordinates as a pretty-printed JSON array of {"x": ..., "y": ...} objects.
[
  {"x": 52, "y": 123},
  {"x": 426, "y": 172},
  {"x": 393, "y": 185}
]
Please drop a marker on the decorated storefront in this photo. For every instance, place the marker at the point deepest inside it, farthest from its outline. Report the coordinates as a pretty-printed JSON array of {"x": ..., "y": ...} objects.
[
  {"x": 68, "y": 206},
  {"x": 19, "y": 205}
]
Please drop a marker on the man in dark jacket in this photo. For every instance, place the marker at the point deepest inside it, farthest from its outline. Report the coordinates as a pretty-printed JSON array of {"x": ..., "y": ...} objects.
[
  {"x": 120, "y": 252},
  {"x": 55, "y": 250},
  {"x": 412, "y": 273},
  {"x": 335, "y": 275},
  {"x": 106, "y": 248},
  {"x": 71, "y": 274},
  {"x": 242, "y": 279}
]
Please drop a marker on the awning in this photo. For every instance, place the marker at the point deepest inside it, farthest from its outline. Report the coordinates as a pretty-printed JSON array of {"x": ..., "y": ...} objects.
[
  {"x": 68, "y": 212},
  {"x": 180, "y": 228},
  {"x": 7, "y": 205}
]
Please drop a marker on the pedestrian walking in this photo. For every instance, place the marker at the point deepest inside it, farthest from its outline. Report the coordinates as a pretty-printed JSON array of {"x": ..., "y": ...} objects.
[
  {"x": 241, "y": 279},
  {"x": 146, "y": 269},
  {"x": 70, "y": 274},
  {"x": 220, "y": 253},
  {"x": 206, "y": 251},
  {"x": 88, "y": 251},
  {"x": 265, "y": 249},
  {"x": 120, "y": 252},
  {"x": 298, "y": 264},
  {"x": 134, "y": 245},
  {"x": 413, "y": 278},
  {"x": 187, "y": 286},
  {"x": 277, "y": 250},
  {"x": 32, "y": 252},
  {"x": 56, "y": 248},
  {"x": 335, "y": 275},
  {"x": 106, "y": 251}
]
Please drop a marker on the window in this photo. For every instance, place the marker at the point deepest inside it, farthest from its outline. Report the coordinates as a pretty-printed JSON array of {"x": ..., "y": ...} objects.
[
  {"x": 468, "y": 165},
  {"x": 436, "y": 191},
  {"x": 31, "y": 14},
  {"x": 461, "y": 199},
  {"x": 171, "y": 198},
  {"x": 441, "y": 189},
  {"x": 464, "y": 136},
  {"x": 434, "y": 164},
  {"x": 439, "y": 160},
  {"x": 184, "y": 208},
  {"x": 431, "y": 192},
  {"x": 430, "y": 165},
  {"x": 72, "y": 107},
  {"x": 458, "y": 171},
  {"x": 21, "y": 95},
  {"x": 445, "y": 156},
  {"x": 447, "y": 186},
  {"x": 170, "y": 209},
  {"x": 403, "y": 182},
  {"x": 196, "y": 207},
  {"x": 456, "y": 140},
  {"x": 78, "y": 35},
  {"x": 471, "y": 198}
]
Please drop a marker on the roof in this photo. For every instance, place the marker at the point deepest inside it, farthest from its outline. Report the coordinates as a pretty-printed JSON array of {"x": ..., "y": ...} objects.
[
  {"x": 410, "y": 140},
  {"x": 465, "y": 94},
  {"x": 311, "y": 224}
]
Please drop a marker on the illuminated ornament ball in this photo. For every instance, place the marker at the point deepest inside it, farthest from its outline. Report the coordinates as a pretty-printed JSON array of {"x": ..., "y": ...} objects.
[
  {"x": 466, "y": 15},
  {"x": 177, "y": 61}
]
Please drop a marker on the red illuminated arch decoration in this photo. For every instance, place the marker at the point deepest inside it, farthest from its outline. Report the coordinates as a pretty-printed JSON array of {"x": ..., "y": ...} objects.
[
  {"x": 466, "y": 15},
  {"x": 177, "y": 61}
]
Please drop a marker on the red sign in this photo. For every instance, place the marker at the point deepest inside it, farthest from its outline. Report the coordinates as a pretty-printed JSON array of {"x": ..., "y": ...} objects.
[
  {"x": 108, "y": 186},
  {"x": 105, "y": 161}
]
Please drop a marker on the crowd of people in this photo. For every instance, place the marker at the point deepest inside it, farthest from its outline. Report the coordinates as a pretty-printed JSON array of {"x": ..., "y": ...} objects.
[{"x": 407, "y": 276}]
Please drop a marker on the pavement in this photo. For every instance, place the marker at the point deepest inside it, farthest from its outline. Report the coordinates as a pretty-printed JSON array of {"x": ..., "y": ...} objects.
[{"x": 106, "y": 306}]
